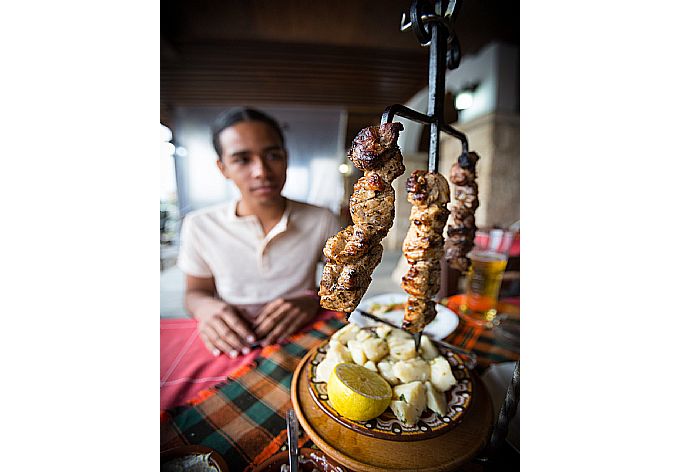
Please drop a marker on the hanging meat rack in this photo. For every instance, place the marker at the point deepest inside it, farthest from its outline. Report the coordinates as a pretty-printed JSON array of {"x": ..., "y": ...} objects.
[{"x": 432, "y": 23}]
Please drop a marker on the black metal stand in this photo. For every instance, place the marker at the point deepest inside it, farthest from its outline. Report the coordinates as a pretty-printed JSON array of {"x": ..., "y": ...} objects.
[{"x": 432, "y": 22}]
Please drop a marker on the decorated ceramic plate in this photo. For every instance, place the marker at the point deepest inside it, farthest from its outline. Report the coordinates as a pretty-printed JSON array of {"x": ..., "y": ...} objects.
[
  {"x": 387, "y": 426},
  {"x": 391, "y": 307}
]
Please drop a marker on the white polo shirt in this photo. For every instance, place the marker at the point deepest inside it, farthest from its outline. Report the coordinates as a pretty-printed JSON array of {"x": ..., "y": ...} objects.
[{"x": 249, "y": 267}]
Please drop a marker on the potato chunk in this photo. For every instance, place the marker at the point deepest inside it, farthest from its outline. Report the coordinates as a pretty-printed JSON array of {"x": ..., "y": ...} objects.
[
  {"x": 429, "y": 351},
  {"x": 401, "y": 349},
  {"x": 338, "y": 352},
  {"x": 324, "y": 369},
  {"x": 363, "y": 334},
  {"x": 386, "y": 371},
  {"x": 441, "y": 375},
  {"x": 371, "y": 366},
  {"x": 409, "y": 402},
  {"x": 399, "y": 334},
  {"x": 357, "y": 352},
  {"x": 346, "y": 333},
  {"x": 383, "y": 330},
  {"x": 411, "y": 370},
  {"x": 435, "y": 400},
  {"x": 375, "y": 349}
]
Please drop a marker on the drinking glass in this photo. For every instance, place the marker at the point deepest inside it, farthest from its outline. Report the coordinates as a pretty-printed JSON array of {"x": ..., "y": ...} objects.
[{"x": 483, "y": 280}]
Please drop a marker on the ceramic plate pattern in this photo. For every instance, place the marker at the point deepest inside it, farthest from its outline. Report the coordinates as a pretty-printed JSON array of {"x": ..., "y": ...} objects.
[{"x": 387, "y": 426}]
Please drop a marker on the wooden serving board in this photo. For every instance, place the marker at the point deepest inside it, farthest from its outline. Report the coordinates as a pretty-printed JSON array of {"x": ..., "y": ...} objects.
[{"x": 366, "y": 454}]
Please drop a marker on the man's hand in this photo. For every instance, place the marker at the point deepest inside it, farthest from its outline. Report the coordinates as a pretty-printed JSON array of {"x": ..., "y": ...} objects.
[
  {"x": 222, "y": 328},
  {"x": 282, "y": 317}
]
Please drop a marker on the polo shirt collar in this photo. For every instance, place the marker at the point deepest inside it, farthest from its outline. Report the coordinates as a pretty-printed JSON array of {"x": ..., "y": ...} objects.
[{"x": 277, "y": 229}]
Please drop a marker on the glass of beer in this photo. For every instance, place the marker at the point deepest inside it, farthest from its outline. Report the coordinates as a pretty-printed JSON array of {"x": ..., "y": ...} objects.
[{"x": 483, "y": 280}]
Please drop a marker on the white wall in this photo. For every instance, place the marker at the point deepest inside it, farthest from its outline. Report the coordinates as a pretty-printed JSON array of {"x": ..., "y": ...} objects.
[{"x": 494, "y": 68}]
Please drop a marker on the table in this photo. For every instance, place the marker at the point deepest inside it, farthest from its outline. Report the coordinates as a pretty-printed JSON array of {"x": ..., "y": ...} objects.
[
  {"x": 243, "y": 417},
  {"x": 187, "y": 367}
]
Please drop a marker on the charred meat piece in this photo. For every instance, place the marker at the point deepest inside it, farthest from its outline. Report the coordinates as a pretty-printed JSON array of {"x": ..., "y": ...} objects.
[
  {"x": 375, "y": 145},
  {"x": 353, "y": 253},
  {"x": 423, "y": 279},
  {"x": 373, "y": 203},
  {"x": 423, "y": 246},
  {"x": 462, "y": 228},
  {"x": 430, "y": 218},
  {"x": 427, "y": 188},
  {"x": 419, "y": 312},
  {"x": 343, "y": 286}
]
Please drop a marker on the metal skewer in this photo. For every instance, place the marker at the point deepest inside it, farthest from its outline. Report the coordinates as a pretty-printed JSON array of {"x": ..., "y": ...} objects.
[
  {"x": 433, "y": 26},
  {"x": 417, "y": 340},
  {"x": 292, "y": 433},
  {"x": 432, "y": 23}
]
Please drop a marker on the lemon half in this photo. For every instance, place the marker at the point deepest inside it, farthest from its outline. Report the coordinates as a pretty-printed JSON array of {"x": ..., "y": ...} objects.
[{"x": 358, "y": 393}]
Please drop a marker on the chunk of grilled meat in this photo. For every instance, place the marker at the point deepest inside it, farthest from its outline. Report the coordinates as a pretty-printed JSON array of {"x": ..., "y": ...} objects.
[
  {"x": 376, "y": 147},
  {"x": 353, "y": 253},
  {"x": 427, "y": 188},
  {"x": 344, "y": 285},
  {"x": 462, "y": 228},
  {"x": 422, "y": 310},
  {"x": 423, "y": 278},
  {"x": 372, "y": 203},
  {"x": 423, "y": 246}
]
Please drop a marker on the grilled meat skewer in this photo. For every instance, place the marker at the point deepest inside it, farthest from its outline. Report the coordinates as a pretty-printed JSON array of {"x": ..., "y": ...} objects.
[
  {"x": 353, "y": 253},
  {"x": 423, "y": 246},
  {"x": 462, "y": 228}
]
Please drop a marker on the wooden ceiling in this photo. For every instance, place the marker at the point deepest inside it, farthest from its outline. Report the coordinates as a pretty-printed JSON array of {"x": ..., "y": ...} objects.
[{"x": 348, "y": 54}]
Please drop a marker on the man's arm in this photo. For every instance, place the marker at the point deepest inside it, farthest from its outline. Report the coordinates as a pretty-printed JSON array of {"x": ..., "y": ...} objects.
[
  {"x": 221, "y": 328},
  {"x": 199, "y": 293}
]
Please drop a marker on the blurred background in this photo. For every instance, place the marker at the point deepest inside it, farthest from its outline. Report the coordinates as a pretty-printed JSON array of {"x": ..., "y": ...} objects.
[{"x": 326, "y": 70}]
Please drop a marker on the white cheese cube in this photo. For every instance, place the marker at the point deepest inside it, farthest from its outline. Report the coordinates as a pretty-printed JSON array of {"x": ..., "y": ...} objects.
[
  {"x": 409, "y": 402},
  {"x": 357, "y": 352},
  {"x": 399, "y": 334},
  {"x": 375, "y": 349},
  {"x": 324, "y": 369},
  {"x": 405, "y": 413},
  {"x": 401, "y": 349},
  {"x": 441, "y": 375},
  {"x": 363, "y": 334},
  {"x": 429, "y": 351},
  {"x": 338, "y": 352},
  {"x": 383, "y": 330},
  {"x": 435, "y": 400},
  {"x": 346, "y": 333},
  {"x": 386, "y": 371},
  {"x": 411, "y": 370}
]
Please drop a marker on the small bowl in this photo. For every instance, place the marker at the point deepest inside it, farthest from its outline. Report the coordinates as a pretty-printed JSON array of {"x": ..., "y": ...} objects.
[
  {"x": 310, "y": 460},
  {"x": 215, "y": 458}
]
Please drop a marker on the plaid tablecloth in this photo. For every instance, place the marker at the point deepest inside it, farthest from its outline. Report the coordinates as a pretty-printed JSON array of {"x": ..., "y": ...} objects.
[
  {"x": 244, "y": 418},
  {"x": 187, "y": 367}
]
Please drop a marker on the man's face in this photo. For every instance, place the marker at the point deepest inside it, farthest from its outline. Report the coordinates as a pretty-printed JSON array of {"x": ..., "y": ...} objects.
[{"x": 254, "y": 159}]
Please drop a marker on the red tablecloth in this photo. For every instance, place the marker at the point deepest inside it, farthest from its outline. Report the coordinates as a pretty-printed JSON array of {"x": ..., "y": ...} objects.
[{"x": 186, "y": 365}]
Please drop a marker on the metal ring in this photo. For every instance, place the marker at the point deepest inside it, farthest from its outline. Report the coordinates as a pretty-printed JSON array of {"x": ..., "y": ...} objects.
[{"x": 416, "y": 13}]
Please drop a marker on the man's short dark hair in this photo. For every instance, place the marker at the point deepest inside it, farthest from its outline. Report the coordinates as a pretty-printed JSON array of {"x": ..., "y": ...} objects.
[{"x": 239, "y": 115}]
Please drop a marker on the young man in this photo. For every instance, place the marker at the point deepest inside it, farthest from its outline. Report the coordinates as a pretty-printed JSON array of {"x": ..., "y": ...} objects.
[{"x": 250, "y": 264}]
